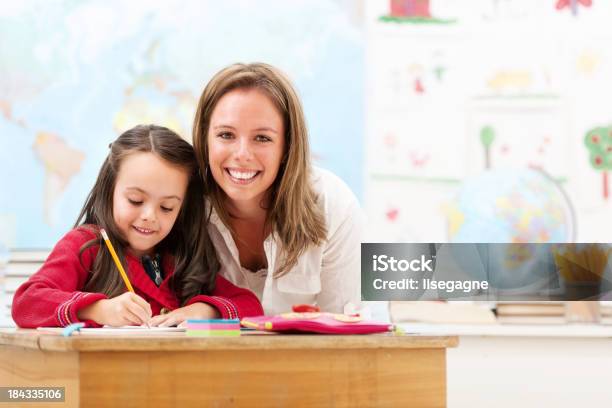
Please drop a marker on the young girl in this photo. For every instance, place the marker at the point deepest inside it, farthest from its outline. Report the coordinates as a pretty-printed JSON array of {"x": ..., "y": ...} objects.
[
  {"x": 148, "y": 197},
  {"x": 282, "y": 228}
]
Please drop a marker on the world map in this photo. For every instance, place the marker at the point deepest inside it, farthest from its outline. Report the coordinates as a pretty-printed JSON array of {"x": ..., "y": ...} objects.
[{"x": 74, "y": 75}]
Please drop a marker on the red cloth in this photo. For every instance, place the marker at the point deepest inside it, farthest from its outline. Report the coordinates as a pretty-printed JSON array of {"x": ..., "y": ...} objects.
[{"x": 52, "y": 296}]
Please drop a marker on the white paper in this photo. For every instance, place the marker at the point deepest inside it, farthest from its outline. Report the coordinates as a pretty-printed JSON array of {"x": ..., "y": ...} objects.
[{"x": 109, "y": 330}]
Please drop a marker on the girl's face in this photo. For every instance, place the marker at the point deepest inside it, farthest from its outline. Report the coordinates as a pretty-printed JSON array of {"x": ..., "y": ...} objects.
[
  {"x": 147, "y": 198},
  {"x": 246, "y": 141}
]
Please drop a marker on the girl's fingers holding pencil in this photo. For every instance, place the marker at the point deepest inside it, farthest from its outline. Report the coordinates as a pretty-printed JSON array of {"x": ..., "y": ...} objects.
[
  {"x": 112, "y": 312},
  {"x": 130, "y": 319},
  {"x": 128, "y": 308},
  {"x": 142, "y": 315},
  {"x": 142, "y": 303}
]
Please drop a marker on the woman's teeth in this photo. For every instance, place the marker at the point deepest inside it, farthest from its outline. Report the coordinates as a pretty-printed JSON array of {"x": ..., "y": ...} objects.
[{"x": 242, "y": 175}]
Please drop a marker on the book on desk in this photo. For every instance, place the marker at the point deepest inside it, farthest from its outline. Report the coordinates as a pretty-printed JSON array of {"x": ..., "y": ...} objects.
[
  {"x": 21, "y": 265},
  {"x": 550, "y": 312}
]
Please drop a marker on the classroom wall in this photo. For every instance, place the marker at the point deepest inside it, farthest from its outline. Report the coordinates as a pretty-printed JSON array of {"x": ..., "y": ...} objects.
[
  {"x": 74, "y": 75},
  {"x": 451, "y": 120},
  {"x": 477, "y": 118}
]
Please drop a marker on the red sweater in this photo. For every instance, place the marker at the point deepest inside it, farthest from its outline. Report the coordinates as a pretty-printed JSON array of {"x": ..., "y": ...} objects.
[{"x": 52, "y": 296}]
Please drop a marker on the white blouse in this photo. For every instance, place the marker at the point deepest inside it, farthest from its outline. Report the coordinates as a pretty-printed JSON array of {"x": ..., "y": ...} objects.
[{"x": 328, "y": 275}]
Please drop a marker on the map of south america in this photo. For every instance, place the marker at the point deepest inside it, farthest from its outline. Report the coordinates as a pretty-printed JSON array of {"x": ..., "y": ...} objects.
[{"x": 61, "y": 163}]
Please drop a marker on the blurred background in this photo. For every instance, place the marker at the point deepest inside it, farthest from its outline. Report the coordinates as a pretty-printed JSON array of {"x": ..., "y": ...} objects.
[
  {"x": 451, "y": 120},
  {"x": 76, "y": 74},
  {"x": 460, "y": 121}
]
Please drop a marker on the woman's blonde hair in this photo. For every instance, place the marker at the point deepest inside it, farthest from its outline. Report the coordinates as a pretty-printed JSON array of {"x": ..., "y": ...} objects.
[{"x": 292, "y": 212}]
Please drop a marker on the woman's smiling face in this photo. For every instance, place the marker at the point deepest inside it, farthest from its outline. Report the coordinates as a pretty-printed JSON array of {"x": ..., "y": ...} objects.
[{"x": 246, "y": 143}]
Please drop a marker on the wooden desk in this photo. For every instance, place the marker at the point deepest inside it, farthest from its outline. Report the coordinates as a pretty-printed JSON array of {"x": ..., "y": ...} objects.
[{"x": 262, "y": 370}]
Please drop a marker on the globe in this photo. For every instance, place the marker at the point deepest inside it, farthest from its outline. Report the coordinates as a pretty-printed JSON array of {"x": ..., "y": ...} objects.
[{"x": 511, "y": 206}]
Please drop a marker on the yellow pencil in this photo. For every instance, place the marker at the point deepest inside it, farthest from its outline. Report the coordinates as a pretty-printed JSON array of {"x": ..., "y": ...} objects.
[{"x": 116, "y": 259}]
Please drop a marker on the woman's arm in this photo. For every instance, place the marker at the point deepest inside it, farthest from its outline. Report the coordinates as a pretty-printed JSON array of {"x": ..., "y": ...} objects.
[
  {"x": 341, "y": 264},
  {"x": 231, "y": 301}
]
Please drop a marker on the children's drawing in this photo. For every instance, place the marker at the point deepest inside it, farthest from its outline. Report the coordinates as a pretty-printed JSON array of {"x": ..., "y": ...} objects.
[
  {"x": 412, "y": 12},
  {"x": 439, "y": 72},
  {"x": 515, "y": 135},
  {"x": 587, "y": 62},
  {"x": 418, "y": 86},
  {"x": 418, "y": 159},
  {"x": 390, "y": 140},
  {"x": 410, "y": 8},
  {"x": 389, "y": 149},
  {"x": 407, "y": 210},
  {"x": 524, "y": 66},
  {"x": 487, "y": 136},
  {"x": 544, "y": 144},
  {"x": 412, "y": 72},
  {"x": 408, "y": 145},
  {"x": 499, "y": 10},
  {"x": 599, "y": 144},
  {"x": 572, "y": 5},
  {"x": 416, "y": 71},
  {"x": 406, "y": 84},
  {"x": 392, "y": 214},
  {"x": 510, "y": 81},
  {"x": 438, "y": 64},
  {"x": 511, "y": 86}
]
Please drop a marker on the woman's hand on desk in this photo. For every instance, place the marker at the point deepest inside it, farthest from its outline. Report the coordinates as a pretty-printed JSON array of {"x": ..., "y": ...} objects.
[
  {"x": 126, "y": 309},
  {"x": 177, "y": 316}
]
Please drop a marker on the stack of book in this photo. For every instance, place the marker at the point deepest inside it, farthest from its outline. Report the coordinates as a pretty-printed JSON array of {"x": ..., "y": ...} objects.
[
  {"x": 441, "y": 312},
  {"x": 21, "y": 265},
  {"x": 549, "y": 312}
]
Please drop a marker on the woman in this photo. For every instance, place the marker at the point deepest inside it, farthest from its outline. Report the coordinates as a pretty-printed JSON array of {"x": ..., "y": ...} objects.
[{"x": 288, "y": 231}]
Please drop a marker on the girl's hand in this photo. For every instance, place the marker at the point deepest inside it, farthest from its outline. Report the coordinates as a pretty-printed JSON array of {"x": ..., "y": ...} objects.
[
  {"x": 123, "y": 310},
  {"x": 197, "y": 310}
]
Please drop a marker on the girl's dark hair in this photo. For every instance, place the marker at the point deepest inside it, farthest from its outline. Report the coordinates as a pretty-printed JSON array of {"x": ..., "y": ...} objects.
[{"x": 188, "y": 242}]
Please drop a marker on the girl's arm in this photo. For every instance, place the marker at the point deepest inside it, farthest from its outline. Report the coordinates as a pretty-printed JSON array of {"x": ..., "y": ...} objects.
[
  {"x": 231, "y": 301},
  {"x": 53, "y": 296}
]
